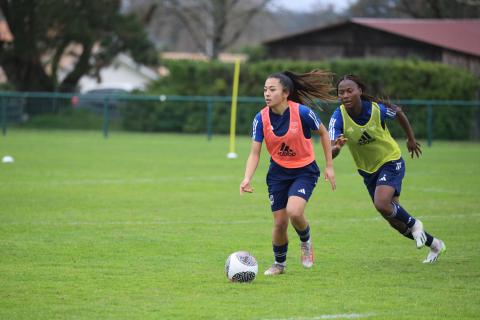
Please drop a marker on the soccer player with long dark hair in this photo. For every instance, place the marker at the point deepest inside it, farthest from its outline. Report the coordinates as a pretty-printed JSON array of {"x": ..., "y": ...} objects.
[
  {"x": 360, "y": 123},
  {"x": 286, "y": 124}
]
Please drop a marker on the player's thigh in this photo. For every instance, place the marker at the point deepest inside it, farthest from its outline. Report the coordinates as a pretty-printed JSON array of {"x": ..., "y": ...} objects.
[
  {"x": 392, "y": 174},
  {"x": 384, "y": 194},
  {"x": 299, "y": 193},
  {"x": 278, "y": 198},
  {"x": 383, "y": 198},
  {"x": 296, "y": 206}
]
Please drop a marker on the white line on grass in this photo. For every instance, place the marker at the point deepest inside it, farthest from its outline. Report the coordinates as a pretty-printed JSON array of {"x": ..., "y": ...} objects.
[
  {"x": 127, "y": 222},
  {"x": 80, "y": 182},
  {"x": 331, "y": 316},
  {"x": 190, "y": 222}
]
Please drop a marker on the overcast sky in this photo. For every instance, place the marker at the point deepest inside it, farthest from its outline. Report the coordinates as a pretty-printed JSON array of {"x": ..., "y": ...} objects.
[{"x": 305, "y": 5}]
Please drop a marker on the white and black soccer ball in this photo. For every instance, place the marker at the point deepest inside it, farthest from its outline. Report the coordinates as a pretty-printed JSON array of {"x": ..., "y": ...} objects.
[{"x": 241, "y": 266}]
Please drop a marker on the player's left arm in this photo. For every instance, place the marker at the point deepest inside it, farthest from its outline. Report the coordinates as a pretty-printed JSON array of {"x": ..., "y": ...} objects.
[
  {"x": 314, "y": 124},
  {"x": 329, "y": 173},
  {"x": 412, "y": 145}
]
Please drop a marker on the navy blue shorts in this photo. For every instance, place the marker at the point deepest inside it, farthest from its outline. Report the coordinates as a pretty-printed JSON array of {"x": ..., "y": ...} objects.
[
  {"x": 283, "y": 183},
  {"x": 390, "y": 174}
]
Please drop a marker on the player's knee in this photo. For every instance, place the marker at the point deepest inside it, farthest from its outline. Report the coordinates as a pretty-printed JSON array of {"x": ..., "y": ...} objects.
[
  {"x": 384, "y": 207},
  {"x": 294, "y": 213},
  {"x": 280, "y": 225}
]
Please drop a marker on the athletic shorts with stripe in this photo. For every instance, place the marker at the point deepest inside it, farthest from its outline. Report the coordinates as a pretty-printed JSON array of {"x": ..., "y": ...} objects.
[
  {"x": 390, "y": 174},
  {"x": 284, "y": 183}
]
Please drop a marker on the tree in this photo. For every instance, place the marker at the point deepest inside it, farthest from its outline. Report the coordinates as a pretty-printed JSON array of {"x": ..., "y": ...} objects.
[
  {"x": 214, "y": 25},
  {"x": 374, "y": 8},
  {"x": 44, "y": 31},
  {"x": 418, "y": 9},
  {"x": 440, "y": 9}
]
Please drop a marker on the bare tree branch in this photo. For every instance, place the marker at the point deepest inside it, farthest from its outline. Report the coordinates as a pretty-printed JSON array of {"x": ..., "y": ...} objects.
[
  {"x": 56, "y": 60},
  {"x": 215, "y": 24},
  {"x": 406, "y": 7},
  {"x": 192, "y": 22},
  {"x": 246, "y": 18},
  {"x": 81, "y": 68},
  {"x": 435, "y": 6},
  {"x": 148, "y": 16}
]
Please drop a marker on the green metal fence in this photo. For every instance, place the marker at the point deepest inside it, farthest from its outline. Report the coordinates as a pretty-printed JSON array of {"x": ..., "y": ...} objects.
[{"x": 17, "y": 107}]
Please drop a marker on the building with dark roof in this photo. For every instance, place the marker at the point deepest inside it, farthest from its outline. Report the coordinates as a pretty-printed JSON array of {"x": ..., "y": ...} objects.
[{"x": 455, "y": 42}]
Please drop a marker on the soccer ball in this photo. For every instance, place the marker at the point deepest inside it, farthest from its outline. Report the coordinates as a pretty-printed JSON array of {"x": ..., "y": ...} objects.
[{"x": 241, "y": 266}]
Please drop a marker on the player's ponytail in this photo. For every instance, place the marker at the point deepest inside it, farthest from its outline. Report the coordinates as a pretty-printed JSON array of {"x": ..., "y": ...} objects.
[{"x": 307, "y": 88}]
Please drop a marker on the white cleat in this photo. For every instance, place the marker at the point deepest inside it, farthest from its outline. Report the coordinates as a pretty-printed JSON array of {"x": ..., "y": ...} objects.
[
  {"x": 418, "y": 234},
  {"x": 306, "y": 249},
  {"x": 435, "y": 251},
  {"x": 275, "y": 270}
]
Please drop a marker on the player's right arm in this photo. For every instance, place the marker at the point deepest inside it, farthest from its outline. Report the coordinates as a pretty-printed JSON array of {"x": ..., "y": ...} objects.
[
  {"x": 251, "y": 166},
  {"x": 337, "y": 145},
  {"x": 335, "y": 131}
]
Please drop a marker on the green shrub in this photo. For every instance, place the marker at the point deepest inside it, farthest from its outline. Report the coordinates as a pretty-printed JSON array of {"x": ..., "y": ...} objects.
[
  {"x": 388, "y": 78},
  {"x": 65, "y": 119},
  {"x": 6, "y": 87}
]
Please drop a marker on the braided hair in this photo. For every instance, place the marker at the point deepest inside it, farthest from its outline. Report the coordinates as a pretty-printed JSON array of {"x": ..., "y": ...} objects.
[{"x": 366, "y": 96}]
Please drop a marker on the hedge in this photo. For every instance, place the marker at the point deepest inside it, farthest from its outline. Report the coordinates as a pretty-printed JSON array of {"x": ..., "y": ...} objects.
[{"x": 389, "y": 78}]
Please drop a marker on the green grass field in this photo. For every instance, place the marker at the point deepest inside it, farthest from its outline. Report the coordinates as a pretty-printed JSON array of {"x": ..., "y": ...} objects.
[{"x": 139, "y": 226}]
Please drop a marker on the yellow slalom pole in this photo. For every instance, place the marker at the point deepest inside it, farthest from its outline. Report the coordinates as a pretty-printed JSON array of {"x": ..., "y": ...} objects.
[{"x": 233, "y": 116}]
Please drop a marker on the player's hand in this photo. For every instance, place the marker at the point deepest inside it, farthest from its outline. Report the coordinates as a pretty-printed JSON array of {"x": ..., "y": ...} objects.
[
  {"x": 330, "y": 176},
  {"x": 245, "y": 187},
  {"x": 340, "y": 141},
  {"x": 414, "y": 148}
]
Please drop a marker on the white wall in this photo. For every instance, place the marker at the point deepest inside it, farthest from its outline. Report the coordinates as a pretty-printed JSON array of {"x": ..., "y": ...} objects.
[{"x": 123, "y": 73}]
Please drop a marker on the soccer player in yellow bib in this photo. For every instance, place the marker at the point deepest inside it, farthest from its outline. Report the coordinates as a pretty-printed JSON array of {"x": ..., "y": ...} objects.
[{"x": 360, "y": 123}]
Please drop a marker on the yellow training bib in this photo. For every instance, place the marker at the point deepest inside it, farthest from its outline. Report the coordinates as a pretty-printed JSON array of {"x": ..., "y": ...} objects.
[{"x": 371, "y": 145}]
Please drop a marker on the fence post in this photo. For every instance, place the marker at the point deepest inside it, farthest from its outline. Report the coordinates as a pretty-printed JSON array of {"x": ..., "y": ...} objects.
[
  {"x": 209, "y": 119},
  {"x": 54, "y": 102},
  {"x": 429, "y": 124},
  {"x": 106, "y": 117},
  {"x": 4, "y": 115}
]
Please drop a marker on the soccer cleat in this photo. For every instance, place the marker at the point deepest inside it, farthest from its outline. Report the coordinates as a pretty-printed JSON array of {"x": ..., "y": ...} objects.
[
  {"x": 435, "y": 252},
  {"x": 419, "y": 234},
  {"x": 306, "y": 249},
  {"x": 275, "y": 270}
]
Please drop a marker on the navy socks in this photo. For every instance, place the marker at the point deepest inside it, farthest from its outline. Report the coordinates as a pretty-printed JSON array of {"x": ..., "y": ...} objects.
[
  {"x": 280, "y": 253},
  {"x": 304, "y": 234},
  {"x": 402, "y": 215}
]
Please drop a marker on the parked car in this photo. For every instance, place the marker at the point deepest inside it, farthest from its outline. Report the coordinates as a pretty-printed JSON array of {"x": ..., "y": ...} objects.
[{"x": 94, "y": 100}]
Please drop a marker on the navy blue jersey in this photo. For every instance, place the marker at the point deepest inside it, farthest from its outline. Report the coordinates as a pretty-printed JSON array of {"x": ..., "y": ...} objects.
[
  {"x": 335, "y": 127},
  {"x": 280, "y": 124}
]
